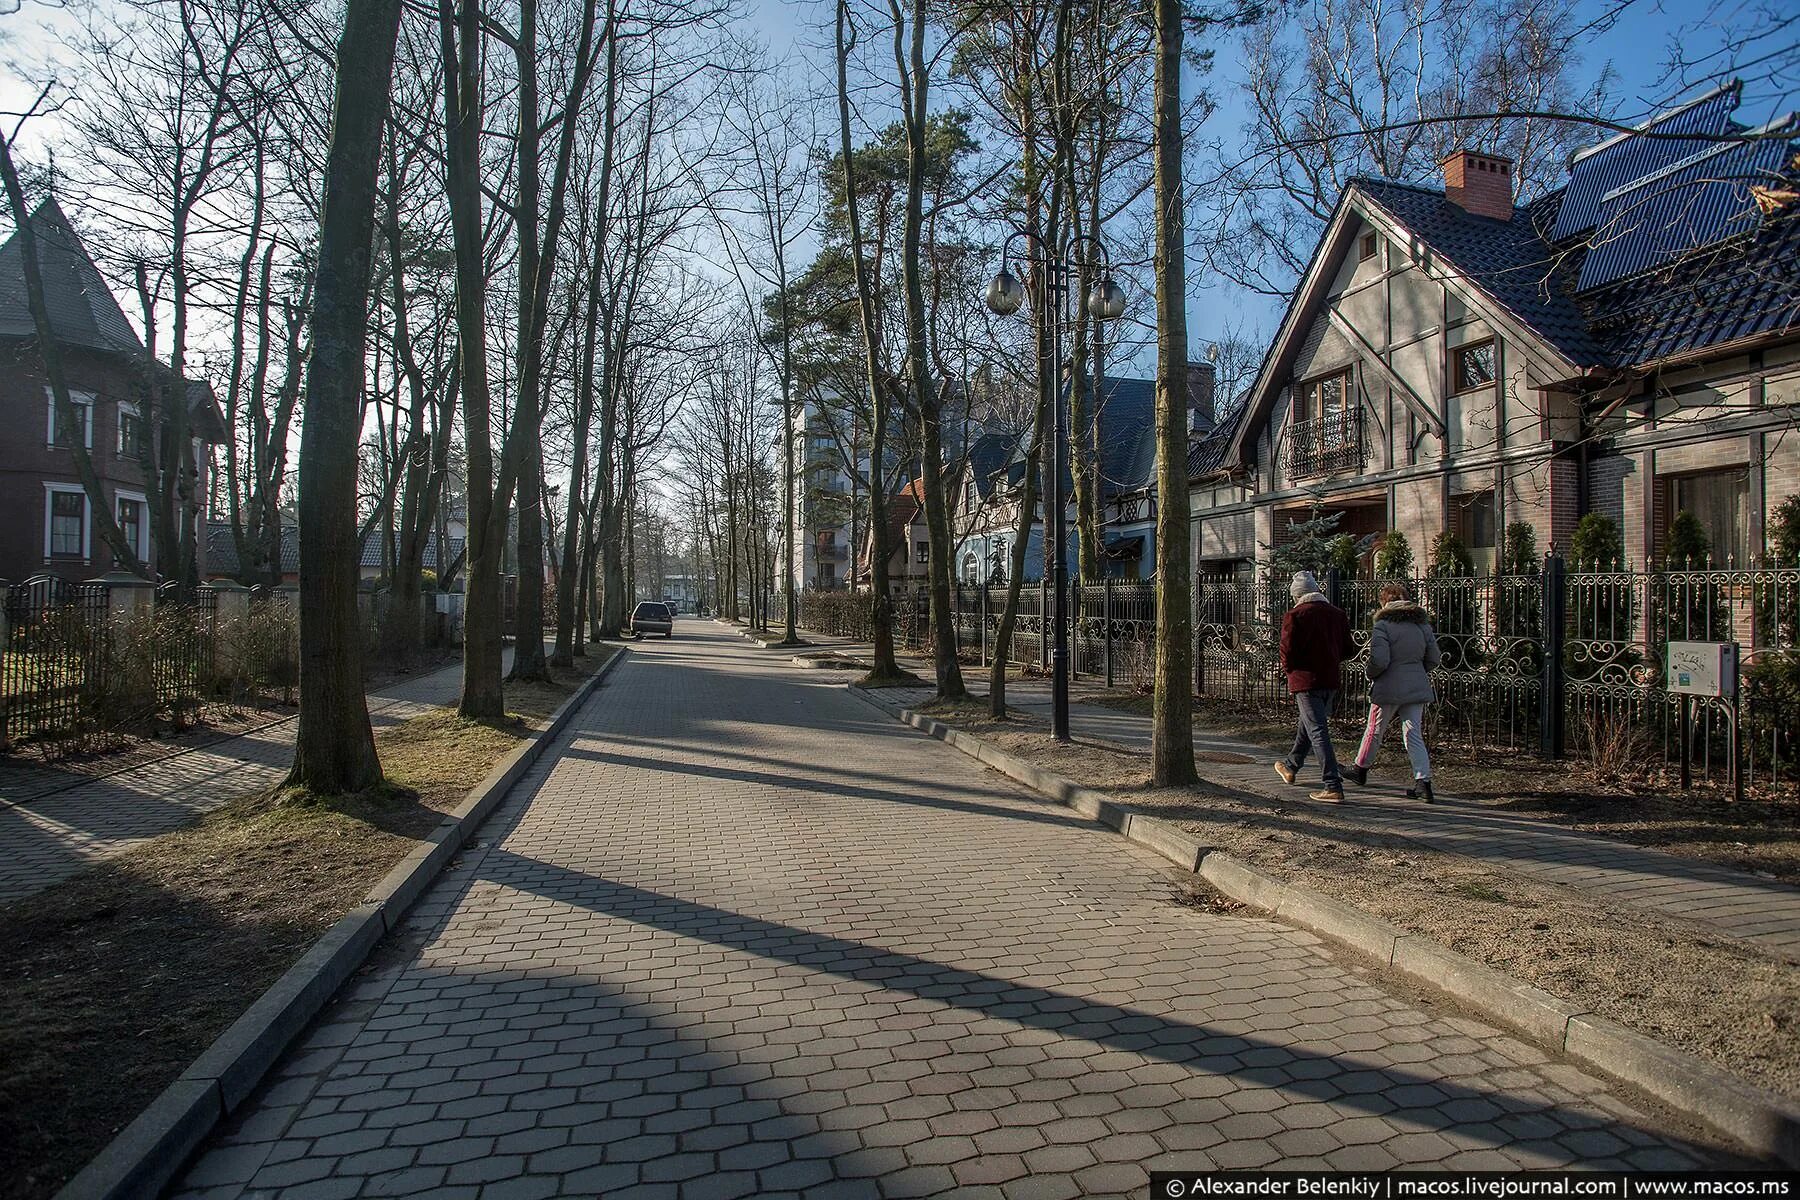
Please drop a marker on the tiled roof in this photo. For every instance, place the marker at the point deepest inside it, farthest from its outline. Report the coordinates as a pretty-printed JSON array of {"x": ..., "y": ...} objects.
[
  {"x": 372, "y": 551},
  {"x": 222, "y": 556},
  {"x": 1127, "y": 440},
  {"x": 81, "y": 306},
  {"x": 1208, "y": 454},
  {"x": 1713, "y": 295},
  {"x": 1716, "y": 295},
  {"x": 986, "y": 456},
  {"x": 1512, "y": 261}
]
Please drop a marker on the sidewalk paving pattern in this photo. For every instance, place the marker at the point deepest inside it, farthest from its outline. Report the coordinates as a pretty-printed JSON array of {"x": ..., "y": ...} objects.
[
  {"x": 45, "y": 840},
  {"x": 739, "y": 934},
  {"x": 1764, "y": 912}
]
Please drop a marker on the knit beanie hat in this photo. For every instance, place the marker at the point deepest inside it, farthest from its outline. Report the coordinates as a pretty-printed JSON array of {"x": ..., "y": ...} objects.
[{"x": 1304, "y": 584}]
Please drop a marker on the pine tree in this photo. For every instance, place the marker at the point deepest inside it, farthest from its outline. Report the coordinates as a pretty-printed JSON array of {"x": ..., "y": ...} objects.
[
  {"x": 1313, "y": 544},
  {"x": 1394, "y": 560}
]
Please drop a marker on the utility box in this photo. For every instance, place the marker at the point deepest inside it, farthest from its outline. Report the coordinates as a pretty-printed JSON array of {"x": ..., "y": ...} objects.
[{"x": 1703, "y": 669}]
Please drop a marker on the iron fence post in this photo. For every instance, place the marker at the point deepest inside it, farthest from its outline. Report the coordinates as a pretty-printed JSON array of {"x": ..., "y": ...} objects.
[
  {"x": 1198, "y": 607},
  {"x": 984, "y": 624},
  {"x": 956, "y": 616},
  {"x": 1550, "y": 688},
  {"x": 1043, "y": 623},
  {"x": 1106, "y": 621},
  {"x": 1334, "y": 586}
]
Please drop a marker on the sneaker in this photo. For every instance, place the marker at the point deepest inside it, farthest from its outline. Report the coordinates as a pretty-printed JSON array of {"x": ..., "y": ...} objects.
[
  {"x": 1359, "y": 774},
  {"x": 1421, "y": 790},
  {"x": 1328, "y": 796},
  {"x": 1286, "y": 772}
]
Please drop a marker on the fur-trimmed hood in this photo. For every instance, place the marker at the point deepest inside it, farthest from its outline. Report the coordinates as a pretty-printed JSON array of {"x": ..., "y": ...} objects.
[{"x": 1403, "y": 610}]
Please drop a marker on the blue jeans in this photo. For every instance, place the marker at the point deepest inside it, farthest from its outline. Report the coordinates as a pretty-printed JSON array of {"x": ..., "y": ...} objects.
[{"x": 1315, "y": 735}]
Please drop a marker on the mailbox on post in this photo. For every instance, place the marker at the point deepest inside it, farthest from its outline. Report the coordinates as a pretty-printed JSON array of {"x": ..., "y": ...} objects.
[
  {"x": 1708, "y": 669},
  {"x": 1703, "y": 669}
]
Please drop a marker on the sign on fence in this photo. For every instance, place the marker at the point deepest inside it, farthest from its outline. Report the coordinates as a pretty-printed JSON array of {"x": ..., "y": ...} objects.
[{"x": 1703, "y": 669}]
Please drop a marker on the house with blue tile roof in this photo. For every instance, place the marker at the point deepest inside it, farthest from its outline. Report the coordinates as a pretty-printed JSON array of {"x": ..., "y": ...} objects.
[
  {"x": 1124, "y": 482},
  {"x": 1627, "y": 344}
]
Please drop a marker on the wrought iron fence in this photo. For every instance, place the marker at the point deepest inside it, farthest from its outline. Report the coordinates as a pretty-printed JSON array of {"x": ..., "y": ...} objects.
[
  {"x": 1558, "y": 661},
  {"x": 72, "y": 664}
]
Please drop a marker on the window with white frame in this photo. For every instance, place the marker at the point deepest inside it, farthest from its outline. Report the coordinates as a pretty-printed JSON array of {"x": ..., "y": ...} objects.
[
  {"x": 131, "y": 430},
  {"x": 133, "y": 523},
  {"x": 65, "y": 522},
  {"x": 57, "y": 431}
]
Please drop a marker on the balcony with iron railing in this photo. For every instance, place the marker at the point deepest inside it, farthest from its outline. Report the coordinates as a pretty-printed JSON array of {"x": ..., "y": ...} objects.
[
  {"x": 828, "y": 549},
  {"x": 1326, "y": 445}
]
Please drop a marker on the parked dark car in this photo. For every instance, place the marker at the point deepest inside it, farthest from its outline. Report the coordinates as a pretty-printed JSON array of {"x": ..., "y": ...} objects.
[{"x": 651, "y": 616}]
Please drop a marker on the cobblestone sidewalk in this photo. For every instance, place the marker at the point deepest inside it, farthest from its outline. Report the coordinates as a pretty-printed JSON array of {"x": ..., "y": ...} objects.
[
  {"x": 45, "y": 840},
  {"x": 1737, "y": 904},
  {"x": 1764, "y": 912},
  {"x": 738, "y": 934}
]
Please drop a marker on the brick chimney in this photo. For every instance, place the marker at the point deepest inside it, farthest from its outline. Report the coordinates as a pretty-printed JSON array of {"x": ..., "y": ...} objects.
[
  {"x": 1201, "y": 381},
  {"x": 1480, "y": 184}
]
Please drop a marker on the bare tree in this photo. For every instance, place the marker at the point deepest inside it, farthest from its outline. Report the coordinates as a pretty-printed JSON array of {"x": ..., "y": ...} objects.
[
  {"x": 1389, "y": 88},
  {"x": 334, "y": 748}
]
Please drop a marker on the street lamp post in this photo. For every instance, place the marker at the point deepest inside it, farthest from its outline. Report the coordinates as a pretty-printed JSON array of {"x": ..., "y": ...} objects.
[{"x": 1005, "y": 296}]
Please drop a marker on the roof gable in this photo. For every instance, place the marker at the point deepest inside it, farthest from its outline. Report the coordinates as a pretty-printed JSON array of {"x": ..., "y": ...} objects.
[
  {"x": 81, "y": 307},
  {"x": 1449, "y": 236}
]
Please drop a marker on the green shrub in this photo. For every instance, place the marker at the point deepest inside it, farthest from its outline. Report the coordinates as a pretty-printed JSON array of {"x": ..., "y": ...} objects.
[
  {"x": 1600, "y": 608},
  {"x": 1771, "y": 700},
  {"x": 1690, "y": 605},
  {"x": 1518, "y": 598},
  {"x": 1597, "y": 544},
  {"x": 1394, "y": 559},
  {"x": 1778, "y": 597},
  {"x": 1450, "y": 559},
  {"x": 1689, "y": 548}
]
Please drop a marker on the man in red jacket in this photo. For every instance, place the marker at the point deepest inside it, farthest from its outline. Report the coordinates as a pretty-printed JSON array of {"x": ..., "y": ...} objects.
[{"x": 1315, "y": 639}]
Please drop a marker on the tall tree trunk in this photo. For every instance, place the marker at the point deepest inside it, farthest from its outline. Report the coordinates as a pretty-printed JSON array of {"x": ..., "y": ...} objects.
[
  {"x": 334, "y": 748},
  {"x": 537, "y": 267},
  {"x": 884, "y": 667},
  {"x": 571, "y": 579},
  {"x": 918, "y": 365},
  {"x": 528, "y": 621},
  {"x": 483, "y": 695},
  {"x": 1172, "y": 726}
]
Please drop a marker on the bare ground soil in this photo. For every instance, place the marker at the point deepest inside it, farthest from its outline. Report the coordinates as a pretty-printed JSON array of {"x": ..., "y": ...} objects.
[
  {"x": 1671, "y": 980},
  {"x": 112, "y": 982}
]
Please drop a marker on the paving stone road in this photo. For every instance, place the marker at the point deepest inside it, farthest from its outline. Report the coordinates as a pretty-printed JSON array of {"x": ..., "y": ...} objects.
[
  {"x": 741, "y": 935},
  {"x": 47, "y": 838}
]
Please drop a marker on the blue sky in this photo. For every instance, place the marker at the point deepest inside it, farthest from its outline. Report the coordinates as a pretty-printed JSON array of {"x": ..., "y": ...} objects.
[{"x": 1635, "y": 47}]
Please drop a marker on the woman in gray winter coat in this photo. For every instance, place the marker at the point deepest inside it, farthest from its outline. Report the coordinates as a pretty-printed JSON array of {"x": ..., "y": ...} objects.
[{"x": 1402, "y": 654}]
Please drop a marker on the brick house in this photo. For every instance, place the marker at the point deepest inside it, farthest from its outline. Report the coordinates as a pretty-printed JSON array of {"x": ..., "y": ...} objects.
[
  {"x": 109, "y": 373},
  {"x": 1628, "y": 344}
]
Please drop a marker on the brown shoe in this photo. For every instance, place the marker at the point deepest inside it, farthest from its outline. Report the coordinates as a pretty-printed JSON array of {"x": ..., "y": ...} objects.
[
  {"x": 1327, "y": 796},
  {"x": 1286, "y": 772}
]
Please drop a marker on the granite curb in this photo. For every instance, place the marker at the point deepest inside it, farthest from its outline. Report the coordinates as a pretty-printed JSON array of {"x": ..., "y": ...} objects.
[
  {"x": 1761, "y": 1121},
  {"x": 146, "y": 1154}
]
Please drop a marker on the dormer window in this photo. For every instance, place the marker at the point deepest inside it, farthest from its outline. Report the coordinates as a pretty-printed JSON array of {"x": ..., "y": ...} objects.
[{"x": 1473, "y": 366}]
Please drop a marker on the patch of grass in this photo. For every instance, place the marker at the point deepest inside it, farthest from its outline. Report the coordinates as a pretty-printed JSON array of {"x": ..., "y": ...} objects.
[
  {"x": 1481, "y": 892},
  {"x": 113, "y": 981}
]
